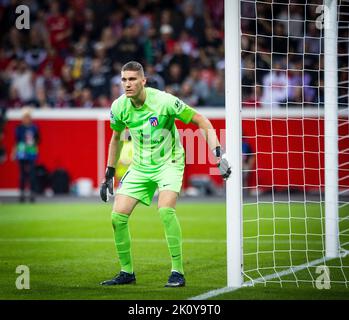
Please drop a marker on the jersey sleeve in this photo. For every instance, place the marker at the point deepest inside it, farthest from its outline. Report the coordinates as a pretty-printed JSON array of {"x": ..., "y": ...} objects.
[
  {"x": 179, "y": 109},
  {"x": 116, "y": 122}
]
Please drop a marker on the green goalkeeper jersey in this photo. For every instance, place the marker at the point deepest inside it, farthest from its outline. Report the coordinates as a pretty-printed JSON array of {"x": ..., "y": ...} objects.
[{"x": 152, "y": 127}]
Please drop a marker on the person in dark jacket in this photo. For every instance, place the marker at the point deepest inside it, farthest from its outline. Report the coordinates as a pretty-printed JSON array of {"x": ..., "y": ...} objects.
[{"x": 26, "y": 153}]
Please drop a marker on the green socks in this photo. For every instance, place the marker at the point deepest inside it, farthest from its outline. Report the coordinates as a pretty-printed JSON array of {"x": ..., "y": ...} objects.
[
  {"x": 122, "y": 240},
  {"x": 173, "y": 236}
]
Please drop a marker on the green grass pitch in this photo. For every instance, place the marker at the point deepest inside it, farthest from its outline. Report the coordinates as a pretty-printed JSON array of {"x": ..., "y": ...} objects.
[{"x": 69, "y": 249}]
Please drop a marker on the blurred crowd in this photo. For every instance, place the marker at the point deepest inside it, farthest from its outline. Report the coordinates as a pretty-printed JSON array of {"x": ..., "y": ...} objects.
[
  {"x": 73, "y": 52},
  {"x": 282, "y": 49}
]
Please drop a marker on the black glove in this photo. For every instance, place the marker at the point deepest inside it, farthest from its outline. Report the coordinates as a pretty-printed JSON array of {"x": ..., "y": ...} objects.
[
  {"x": 223, "y": 164},
  {"x": 107, "y": 186}
]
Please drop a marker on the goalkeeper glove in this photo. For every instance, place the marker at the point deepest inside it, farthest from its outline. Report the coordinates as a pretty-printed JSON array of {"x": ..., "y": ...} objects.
[
  {"x": 108, "y": 185},
  {"x": 223, "y": 164}
]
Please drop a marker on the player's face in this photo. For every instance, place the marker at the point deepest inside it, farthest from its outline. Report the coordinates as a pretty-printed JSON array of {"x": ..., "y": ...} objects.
[
  {"x": 26, "y": 120},
  {"x": 133, "y": 83}
]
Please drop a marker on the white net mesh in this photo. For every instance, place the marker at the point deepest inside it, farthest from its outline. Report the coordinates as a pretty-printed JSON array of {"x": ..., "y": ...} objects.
[
  {"x": 282, "y": 57},
  {"x": 343, "y": 125}
]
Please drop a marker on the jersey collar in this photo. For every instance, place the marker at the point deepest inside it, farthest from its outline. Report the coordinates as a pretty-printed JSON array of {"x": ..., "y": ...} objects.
[{"x": 144, "y": 104}]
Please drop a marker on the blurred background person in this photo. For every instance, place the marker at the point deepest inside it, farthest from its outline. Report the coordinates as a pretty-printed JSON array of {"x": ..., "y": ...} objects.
[
  {"x": 2, "y": 124},
  {"x": 26, "y": 153},
  {"x": 275, "y": 84},
  {"x": 248, "y": 164}
]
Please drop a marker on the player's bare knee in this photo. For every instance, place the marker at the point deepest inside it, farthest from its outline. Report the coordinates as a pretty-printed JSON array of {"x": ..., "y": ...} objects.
[
  {"x": 167, "y": 199},
  {"x": 124, "y": 204},
  {"x": 122, "y": 208}
]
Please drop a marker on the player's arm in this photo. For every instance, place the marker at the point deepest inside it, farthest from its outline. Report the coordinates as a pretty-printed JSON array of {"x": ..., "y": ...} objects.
[
  {"x": 207, "y": 129},
  {"x": 114, "y": 151},
  {"x": 115, "y": 147},
  {"x": 212, "y": 140}
]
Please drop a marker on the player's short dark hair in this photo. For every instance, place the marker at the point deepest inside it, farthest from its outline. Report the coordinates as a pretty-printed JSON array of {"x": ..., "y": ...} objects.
[{"x": 133, "y": 66}]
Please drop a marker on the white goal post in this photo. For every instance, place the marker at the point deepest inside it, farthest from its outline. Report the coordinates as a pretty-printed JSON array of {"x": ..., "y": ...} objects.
[
  {"x": 331, "y": 128},
  {"x": 233, "y": 143}
]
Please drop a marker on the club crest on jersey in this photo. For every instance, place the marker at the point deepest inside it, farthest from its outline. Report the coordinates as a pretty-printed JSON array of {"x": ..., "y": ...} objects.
[{"x": 153, "y": 121}]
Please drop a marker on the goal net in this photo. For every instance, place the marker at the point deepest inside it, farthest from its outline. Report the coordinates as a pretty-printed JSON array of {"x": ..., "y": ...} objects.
[{"x": 295, "y": 156}]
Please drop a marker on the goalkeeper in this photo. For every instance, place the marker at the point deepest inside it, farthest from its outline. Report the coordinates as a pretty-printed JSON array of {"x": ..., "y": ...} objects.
[{"x": 158, "y": 162}]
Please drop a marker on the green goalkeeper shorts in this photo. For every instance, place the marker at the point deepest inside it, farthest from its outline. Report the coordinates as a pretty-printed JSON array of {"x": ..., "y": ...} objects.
[{"x": 142, "y": 185}]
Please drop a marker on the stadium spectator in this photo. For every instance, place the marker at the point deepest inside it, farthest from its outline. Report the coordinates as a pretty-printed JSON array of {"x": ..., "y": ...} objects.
[
  {"x": 67, "y": 79},
  {"x": 63, "y": 99},
  {"x": 116, "y": 23},
  {"x": 59, "y": 29},
  {"x": 108, "y": 39},
  {"x": 187, "y": 94},
  {"x": 97, "y": 80},
  {"x": 174, "y": 77},
  {"x": 275, "y": 87},
  {"x": 200, "y": 87},
  {"x": 253, "y": 100},
  {"x": 292, "y": 17},
  {"x": 54, "y": 60},
  {"x": 193, "y": 23},
  {"x": 116, "y": 91},
  {"x": 154, "y": 47},
  {"x": 172, "y": 19},
  {"x": 78, "y": 63},
  {"x": 280, "y": 40},
  {"x": 216, "y": 96},
  {"x": 42, "y": 101},
  {"x": 35, "y": 55},
  {"x": 211, "y": 40},
  {"x": 128, "y": 47},
  {"x": 38, "y": 27},
  {"x": 26, "y": 152},
  {"x": 103, "y": 102},
  {"x": 100, "y": 53},
  {"x": 299, "y": 85},
  {"x": 23, "y": 82},
  {"x": 82, "y": 19},
  {"x": 166, "y": 32},
  {"x": 187, "y": 44},
  {"x": 313, "y": 42},
  {"x": 154, "y": 79},
  {"x": 14, "y": 42},
  {"x": 13, "y": 100},
  {"x": 215, "y": 9},
  {"x": 84, "y": 99},
  {"x": 49, "y": 83},
  {"x": 181, "y": 59},
  {"x": 248, "y": 79}
]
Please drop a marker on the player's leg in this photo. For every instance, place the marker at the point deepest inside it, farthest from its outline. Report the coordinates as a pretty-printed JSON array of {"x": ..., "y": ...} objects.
[
  {"x": 122, "y": 209},
  {"x": 134, "y": 187},
  {"x": 22, "y": 179},
  {"x": 32, "y": 180},
  {"x": 170, "y": 185}
]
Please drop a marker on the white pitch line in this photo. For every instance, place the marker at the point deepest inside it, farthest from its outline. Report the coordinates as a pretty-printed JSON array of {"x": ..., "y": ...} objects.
[
  {"x": 102, "y": 240},
  {"x": 192, "y": 240},
  {"x": 214, "y": 293},
  {"x": 204, "y": 296}
]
